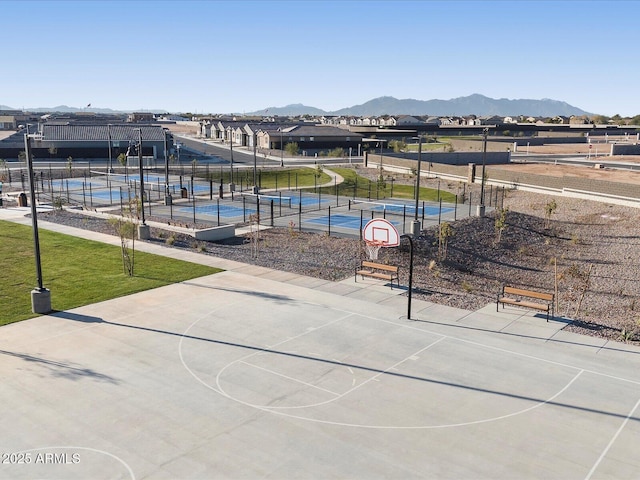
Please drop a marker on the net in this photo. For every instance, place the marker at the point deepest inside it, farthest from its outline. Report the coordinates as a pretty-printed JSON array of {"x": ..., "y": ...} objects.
[
  {"x": 277, "y": 199},
  {"x": 392, "y": 208},
  {"x": 372, "y": 248}
]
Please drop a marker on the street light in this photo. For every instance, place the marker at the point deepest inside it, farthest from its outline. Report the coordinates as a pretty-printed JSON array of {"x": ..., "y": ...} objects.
[
  {"x": 410, "y": 289},
  {"x": 143, "y": 229},
  {"x": 167, "y": 193},
  {"x": 40, "y": 296},
  {"x": 415, "y": 225},
  {"x": 109, "y": 140},
  {"x": 481, "y": 207},
  {"x": 281, "y": 148},
  {"x": 255, "y": 163}
]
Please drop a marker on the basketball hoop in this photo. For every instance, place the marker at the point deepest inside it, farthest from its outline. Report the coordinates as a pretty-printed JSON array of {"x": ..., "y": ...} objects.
[
  {"x": 378, "y": 233},
  {"x": 372, "y": 248}
]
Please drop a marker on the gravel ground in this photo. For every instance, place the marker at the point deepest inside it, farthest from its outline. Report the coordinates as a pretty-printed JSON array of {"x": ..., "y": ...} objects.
[{"x": 594, "y": 245}]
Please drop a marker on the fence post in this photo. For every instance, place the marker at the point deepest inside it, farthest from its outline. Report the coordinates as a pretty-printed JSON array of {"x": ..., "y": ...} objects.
[
  {"x": 329, "y": 221},
  {"x": 300, "y": 213},
  {"x": 455, "y": 210},
  {"x": 272, "y": 212},
  {"x": 440, "y": 212}
]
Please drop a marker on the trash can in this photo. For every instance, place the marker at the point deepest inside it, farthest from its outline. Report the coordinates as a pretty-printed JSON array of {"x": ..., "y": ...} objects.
[
  {"x": 22, "y": 200},
  {"x": 183, "y": 193}
]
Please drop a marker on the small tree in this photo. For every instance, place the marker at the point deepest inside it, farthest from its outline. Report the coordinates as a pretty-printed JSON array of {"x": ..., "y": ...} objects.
[
  {"x": 501, "y": 223},
  {"x": 292, "y": 148},
  {"x": 549, "y": 209},
  {"x": 445, "y": 232},
  {"x": 70, "y": 165},
  {"x": 125, "y": 228}
]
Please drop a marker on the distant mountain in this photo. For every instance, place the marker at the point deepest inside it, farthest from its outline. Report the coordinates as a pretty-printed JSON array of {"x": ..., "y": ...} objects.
[
  {"x": 67, "y": 109},
  {"x": 290, "y": 110},
  {"x": 475, "y": 104}
]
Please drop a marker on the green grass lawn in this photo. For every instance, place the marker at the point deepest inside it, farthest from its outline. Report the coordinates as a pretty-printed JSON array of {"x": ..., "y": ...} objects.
[
  {"x": 364, "y": 187},
  {"x": 287, "y": 178},
  {"x": 76, "y": 271}
]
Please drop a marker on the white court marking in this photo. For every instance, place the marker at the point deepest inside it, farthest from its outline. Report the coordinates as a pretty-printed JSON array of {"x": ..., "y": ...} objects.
[
  {"x": 281, "y": 410},
  {"x": 88, "y": 449}
]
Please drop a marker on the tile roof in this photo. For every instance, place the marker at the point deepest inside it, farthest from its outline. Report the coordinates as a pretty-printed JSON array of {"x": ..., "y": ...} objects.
[{"x": 95, "y": 133}]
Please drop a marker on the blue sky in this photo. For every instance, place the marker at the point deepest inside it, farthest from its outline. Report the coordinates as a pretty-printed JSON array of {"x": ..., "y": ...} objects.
[{"x": 241, "y": 56}]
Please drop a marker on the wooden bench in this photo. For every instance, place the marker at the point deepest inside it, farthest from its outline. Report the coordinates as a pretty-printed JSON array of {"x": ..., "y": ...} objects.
[
  {"x": 378, "y": 270},
  {"x": 520, "y": 299}
]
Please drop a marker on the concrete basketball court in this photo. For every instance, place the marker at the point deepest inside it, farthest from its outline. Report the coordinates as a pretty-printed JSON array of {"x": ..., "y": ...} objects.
[{"x": 254, "y": 373}]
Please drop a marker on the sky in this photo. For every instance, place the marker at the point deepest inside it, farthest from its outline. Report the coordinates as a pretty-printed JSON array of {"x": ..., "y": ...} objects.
[{"x": 241, "y": 56}]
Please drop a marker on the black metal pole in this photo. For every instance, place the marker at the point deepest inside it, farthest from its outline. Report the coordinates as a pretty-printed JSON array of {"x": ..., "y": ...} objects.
[
  {"x": 410, "y": 275},
  {"x": 141, "y": 174},
  {"x": 34, "y": 217},
  {"x": 485, "y": 131}
]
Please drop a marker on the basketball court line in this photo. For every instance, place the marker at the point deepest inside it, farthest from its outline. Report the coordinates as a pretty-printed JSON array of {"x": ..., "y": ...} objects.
[
  {"x": 75, "y": 449},
  {"x": 280, "y": 410},
  {"x": 612, "y": 441}
]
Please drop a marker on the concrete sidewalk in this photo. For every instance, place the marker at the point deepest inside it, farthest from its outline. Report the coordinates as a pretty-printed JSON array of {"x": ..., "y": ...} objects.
[{"x": 257, "y": 373}]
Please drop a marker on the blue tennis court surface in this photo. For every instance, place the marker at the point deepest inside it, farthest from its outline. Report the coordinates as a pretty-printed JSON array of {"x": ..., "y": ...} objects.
[
  {"x": 410, "y": 210},
  {"x": 343, "y": 221},
  {"x": 114, "y": 195},
  {"x": 224, "y": 210}
]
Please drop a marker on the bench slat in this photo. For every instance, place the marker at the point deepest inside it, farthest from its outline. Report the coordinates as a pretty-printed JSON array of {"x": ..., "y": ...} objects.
[
  {"x": 520, "y": 302},
  {"x": 537, "y": 306},
  {"x": 376, "y": 270},
  {"x": 527, "y": 293},
  {"x": 380, "y": 266}
]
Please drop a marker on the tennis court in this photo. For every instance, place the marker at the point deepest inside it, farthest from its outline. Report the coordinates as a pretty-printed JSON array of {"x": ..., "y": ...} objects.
[{"x": 343, "y": 221}]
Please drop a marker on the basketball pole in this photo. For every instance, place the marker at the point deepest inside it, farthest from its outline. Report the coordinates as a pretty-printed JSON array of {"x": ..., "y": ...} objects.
[{"x": 410, "y": 274}]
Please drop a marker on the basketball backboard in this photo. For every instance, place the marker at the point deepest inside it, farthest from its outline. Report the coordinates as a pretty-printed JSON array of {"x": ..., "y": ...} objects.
[{"x": 381, "y": 232}]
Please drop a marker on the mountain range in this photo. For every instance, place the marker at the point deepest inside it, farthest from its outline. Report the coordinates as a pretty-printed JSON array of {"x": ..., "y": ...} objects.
[{"x": 475, "y": 104}]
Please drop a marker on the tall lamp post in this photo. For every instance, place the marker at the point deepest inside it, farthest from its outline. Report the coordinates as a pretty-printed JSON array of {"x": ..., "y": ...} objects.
[
  {"x": 232, "y": 187},
  {"x": 256, "y": 189},
  {"x": 143, "y": 229},
  {"x": 40, "y": 296},
  {"x": 110, "y": 156},
  {"x": 167, "y": 192},
  {"x": 281, "y": 148},
  {"x": 415, "y": 225},
  {"x": 481, "y": 207}
]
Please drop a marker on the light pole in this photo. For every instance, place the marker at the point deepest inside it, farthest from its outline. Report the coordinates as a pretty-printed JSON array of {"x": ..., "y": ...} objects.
[
  {"x": 109, "y": 140},
  {"x": 143, "y": 228},
  {"x": 40, "y": 296},
  {"x": 167, "y": 193},
  {"x": 232, "y": 187},
  {"x": 481, "y": 207},
  {"x": 410, "y": 275},
  {"x": 415, "y": 225},
  {"x": 255, "y": 164},
  {"x": 281, "y": 148}
]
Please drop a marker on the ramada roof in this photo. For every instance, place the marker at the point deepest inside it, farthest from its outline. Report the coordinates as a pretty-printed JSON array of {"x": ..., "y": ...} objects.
[{"x": 94, "y": 133}]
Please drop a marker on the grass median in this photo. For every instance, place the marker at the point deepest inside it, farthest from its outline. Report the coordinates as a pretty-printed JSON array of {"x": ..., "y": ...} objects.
[{"x": 77, "y": 271}]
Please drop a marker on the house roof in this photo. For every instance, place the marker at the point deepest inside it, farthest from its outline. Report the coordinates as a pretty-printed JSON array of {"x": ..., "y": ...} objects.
[
  {"x": 95, "y": 133},
  {"x": 321, "y": 131}
]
